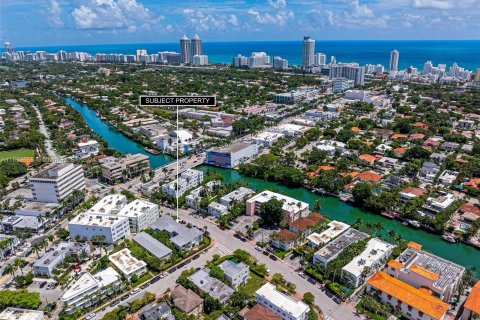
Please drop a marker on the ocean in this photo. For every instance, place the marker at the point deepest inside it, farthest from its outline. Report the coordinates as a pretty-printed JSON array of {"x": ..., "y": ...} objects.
[{"x": 412, "y": 53}]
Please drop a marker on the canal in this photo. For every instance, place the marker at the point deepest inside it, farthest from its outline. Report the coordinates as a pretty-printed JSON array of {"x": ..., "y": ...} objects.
[{"x": 332, "y": 207}]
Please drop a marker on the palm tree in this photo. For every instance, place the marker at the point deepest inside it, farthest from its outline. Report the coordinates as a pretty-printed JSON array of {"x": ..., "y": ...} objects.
[
  {"x": 19, "y": 264},
  {"x": 10, "y": 269},
  {"x": 36, "y": 247},
  {"x": 318, "y": 206},
  {"x": 369, "y": 225},
  {"x": 392, "y": 234},
  {"x": 358, "y": 223}
]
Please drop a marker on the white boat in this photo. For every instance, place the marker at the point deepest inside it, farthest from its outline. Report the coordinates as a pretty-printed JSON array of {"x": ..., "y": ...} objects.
[{"x": 449, "y": 238}]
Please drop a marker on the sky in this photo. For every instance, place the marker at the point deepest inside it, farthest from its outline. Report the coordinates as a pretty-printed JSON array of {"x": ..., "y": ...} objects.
[{"x": 71, "y": 22}]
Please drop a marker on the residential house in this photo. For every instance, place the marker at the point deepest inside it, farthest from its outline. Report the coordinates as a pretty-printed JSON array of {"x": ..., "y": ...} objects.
[
  {"x": 284, "y": 240},
  {"x": 236, "y": 274},
  {"x": 186, "y": 300}
]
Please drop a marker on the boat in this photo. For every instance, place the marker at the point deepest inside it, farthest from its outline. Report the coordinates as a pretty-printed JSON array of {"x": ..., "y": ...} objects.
[
  {"x": 449, "y": 238},
  {"x": 405, "y": 223},
  {"x": 389, "y": 214},
  {"x": 152, "y": 151},
  {"x": 414, "y": 223},
  {"x": 320, "y": 191}
]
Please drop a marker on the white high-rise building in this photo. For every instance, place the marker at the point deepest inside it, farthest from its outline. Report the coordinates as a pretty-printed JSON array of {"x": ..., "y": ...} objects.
[
  {"x": 258, "y": 60},
  {"x": 320, "y": 59},
  {"x": 197, "y": 49},
  {"x": 185, "y": 49},
  {"x": 333, "y": 60},
  {"x": 349, "y": 71},
  {"x": 427, "y": 67},
  {"x": 240, "y": 61},
  {"x": 200, "y": 60},
  {"x": 394, "y": 55},
  {"x": 454, "y": 70},
  {"x": 279, "y": 63},
  {"x": 9, "y": 47},
  {"x": 57, "y": 182},
  {"x": 140, "y": 52},
  {"x": 62, "y": 55},
  {"x": 308, "y": 52}
]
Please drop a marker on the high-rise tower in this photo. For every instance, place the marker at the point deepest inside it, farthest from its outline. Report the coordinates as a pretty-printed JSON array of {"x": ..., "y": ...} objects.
[
  {"x": 185, "y": 49},
  {"x": 197, "y": 49},
  {"x": 394, "y": 55},
  {"x": 308, "y": 52}
]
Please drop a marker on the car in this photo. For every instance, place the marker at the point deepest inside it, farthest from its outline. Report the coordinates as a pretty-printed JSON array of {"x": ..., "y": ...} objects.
[
  {"x": 49, "y": 286},
  {"x": 273, "y": 257},
  {"x": 222, "y": 228},
  {"x": 301, "y": 274},
  {"x": 207, "y": 233},
  {"x": 258, "y": 248},
  {"x": 43, "y": 284},
  {"x": 337, "y": 300},
  {"x": 312, "y": 280},
  {"x": 265, "y": 253},
  {"x": 155, "y": 279},
  {"x": 196, "y": 257},
  {"x": 125, "y": 297},
  {"x": 144, "y": 286},
  {"x": 114, "y": 303},
  {"x": 90, "y": 316},
  {"x": 135, "y": 290},
  {"x": 243, "y": 239},
  {"x": 236, "y": 235},
  {"x": 329, "y": 293},
  {"x": 268, "y": 270}
]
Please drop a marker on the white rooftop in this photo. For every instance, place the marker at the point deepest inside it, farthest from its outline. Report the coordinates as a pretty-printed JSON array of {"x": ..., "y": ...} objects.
[
  {"x": 268, "y": 136},
  {"x": 374, "y": 251},
  {"x": 88, "y": 143},
  {"x": 335, "y": 228},
  {"x": 109, "y": 204},
  {"x": 289, "y": 204},
  {"x": 21, "y": 314},
  {"x": 127, "y": 263},
  {"x": 100, "y": 220},
  {"x": 284, "y": 302},
  {"x": 291, "y": 127},
  {"x": 136, "y": 207},
  {"x": 87, "y": 282}
]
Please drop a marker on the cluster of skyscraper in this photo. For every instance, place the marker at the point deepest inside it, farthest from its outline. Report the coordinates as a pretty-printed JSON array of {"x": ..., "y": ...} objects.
[
  {"x": 260, "y": 60},
  {"x": 191, "y": 51}
]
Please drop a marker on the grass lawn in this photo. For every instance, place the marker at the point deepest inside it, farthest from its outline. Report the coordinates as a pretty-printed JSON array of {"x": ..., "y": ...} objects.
[
  {"x": 19, "y": 153},
  {"x": 252, "y": 285}
]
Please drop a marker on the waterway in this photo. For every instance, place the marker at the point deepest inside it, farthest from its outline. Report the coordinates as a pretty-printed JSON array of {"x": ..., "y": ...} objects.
[
  {"x": 332, "y": 207},
  {"x": 114, "y": 138}
]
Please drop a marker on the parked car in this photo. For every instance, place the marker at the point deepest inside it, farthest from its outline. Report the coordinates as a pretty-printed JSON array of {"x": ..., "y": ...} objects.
[
  {"x": 301, "y": 274},
  {"x": 114, "y": 303},
  {"x": 135, "y": 290},
  {"x": 90, "y": 316},
  {"x": 43, "y": 284},
  {"x": 125, "y": 297},
  {"x": 258, "y": 248},
  {"x": 312, "y": 280}
]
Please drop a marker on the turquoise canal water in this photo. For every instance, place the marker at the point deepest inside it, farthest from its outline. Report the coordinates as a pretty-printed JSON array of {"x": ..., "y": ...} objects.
[
  {"x": 332, "y": 207},
  {"x": 115, "y": 139}
]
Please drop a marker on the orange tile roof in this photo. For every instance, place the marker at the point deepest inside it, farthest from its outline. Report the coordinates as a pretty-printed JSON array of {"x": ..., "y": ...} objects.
[
  {"x": 285, "y": 235},
  {"x": 356, "y": 129},
  {"x": 367, "y": 143},
  {"x": 399, "y": 150},
  {"x": 325, "y": 168},
  {"x": 259, "y": 312},
  {"x": 416, "y": 191},
  {"x": 398, "y": 136},
  {"x": 414, "y": 245},
  {"x": 367, "y": 158},
  {"x": 369, "y": 176},
  {"x": 395, "y": 264},
  {"x": 352, "y": 174},
  {"x": 474, "y": 183},
  {"x": 473, "y": 301},
  {"x": 469, "y": 207},
  {"x": 412, "y": 296},
  {"x": 303, "y": 223},
  {"x": 427, "y": 274},
  {"x": 415, "y": 136}
]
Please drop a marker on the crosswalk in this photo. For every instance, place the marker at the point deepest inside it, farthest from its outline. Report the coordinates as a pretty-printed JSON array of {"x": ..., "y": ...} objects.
[{"x": 223, "y": 249}]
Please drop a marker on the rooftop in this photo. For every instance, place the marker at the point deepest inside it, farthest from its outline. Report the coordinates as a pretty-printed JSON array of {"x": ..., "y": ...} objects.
[
  {"x": 235, "y": 147},
  {"x": 86, "y": 282},
  {"x": 185, "y": 299},
  {"x": 54, "y": 171},
  {"x": 304, "y": 223},
  {"x": 375, "y": 250},
  {"x": 152, "y": 245},
  {"x": 100, "y": 220},
  {"x": 109, "y": 204},
  {"x": 137, "y": 207},
  {"x": 334, "y": 248},
  {"x": 180, "y": 235},
  {"x": 335, "y": 228},
  {"x": 289, "y": 204},
  {"x": 410, "y": 295},
  {"x": 259, "y": 312},
  {"x": 473, "y": 301},
  {"x": 231, "y": 268},
  {"x": 211, "y": 286},
  {"x": 285, "y": 235},
  {"x": 127, "y": 263},
  {"x": 21, "y": 314},
  {"x": 284, "y": 302}
]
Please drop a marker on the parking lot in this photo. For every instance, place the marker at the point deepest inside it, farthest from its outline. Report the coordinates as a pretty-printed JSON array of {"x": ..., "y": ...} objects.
[
  {"x": 243, "y": 223},
  {"x": 47, "y": 289}
]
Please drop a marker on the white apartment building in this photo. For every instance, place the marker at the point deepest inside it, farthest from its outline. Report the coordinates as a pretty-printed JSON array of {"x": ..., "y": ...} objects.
[
  {"x": 187, "y": 180},
  {"x": 57, "y": 182},
  {"x": 21, "y": 314},
  {"x": 200, "y": 60},
  {"x": 87, "y": 148},
  {"x": 235, "y": 196},
  {"x": 335, "y": 228},
  {"x": 140, "y": 214},
  {"x": 110, "y": 204},
  {"x": 89, "y": 289},
  {"x": 368, "y": 262},
  {"x": 110, "y": 227},
  {"x": 128, "y": 264},
  {"x": 259, "y": 60},
  {"x": 192, "y": 200},
  {"x": 292, "y": 208},
  {"x": 216, "y": 209},
  {"x": 236, "y": 274},
  {"x": 281, "y": 304},
  {"x": 267, "y": 138}
]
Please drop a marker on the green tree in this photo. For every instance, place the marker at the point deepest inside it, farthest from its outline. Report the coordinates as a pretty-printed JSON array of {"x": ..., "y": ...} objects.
[
  {"x": 362, "y": 192},
  {"x": 271, "y": 212}
]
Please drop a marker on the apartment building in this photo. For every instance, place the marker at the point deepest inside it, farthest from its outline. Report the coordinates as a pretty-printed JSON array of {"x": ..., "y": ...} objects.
[
  {"x": 50, "y": 260},
  {"x": 236, "y": 274},
  {"x": 231, "y": 155},
  {"x": 292, "y": 208},
  {"x": 140, "y": 214},
  {"x": 57, "y": 182},
  {"x": 11, "y": 313},
  {"x": 108, "y": 227},
  {"x": 187, "y": 180},
  {"x": 335, "y": 228},
  {"x": 89, "y": 289},
  {"x": 235, "y": 196},
  {"x": 281, "y": 304},
  {"x": 128, "y": 264},
  {"x": 119, "y": 169}
]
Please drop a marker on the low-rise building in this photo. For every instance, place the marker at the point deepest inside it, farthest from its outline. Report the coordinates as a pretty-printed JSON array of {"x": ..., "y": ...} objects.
[
  {"x": 140, "y": 214},
  {"x": 438, "y": 203},
  {"x": 155, "y": 311},
  {"x": 304, "y": 226},
  {"x": 267, "y": 138},
  {"x": 192, "y": 200},
  {"x": 152, "y": 245},
  {"x": 411, "y": 302},
  {"x": 50, "y": 260},
  {"x": 447, "y": 177},
  {"x": 231, "y": 155},
  {"x": 331, "y": 146},
  {"x": 290, "y": 129},
  {"x": 211, "y": 286},
  {"x": 11, "y": 313},
  {"x": 236, "y": 274},
  {"x": 429, "y": 171},
  {"x": 472, "y": 304},
  {"x": 107, "y": 228},
  {"x": 410, "y": 193},
  {"x": 331, "y": 251},
  {"x": 120, "y": 169},
  {"x": 236, "y": 196},
  {"x": 367, "y": 263},
  {"x": 12, "y": 223},
  {"x": 128, "y": 264},
  {"x": 186, "y": 300},
  {"x": 87, "y": 149},
  {"x": 281, "y": 304},
  {"x": 284, "y": 240},
  {"x": 335, "y": 228},
  {"x": 182, "y": 237},
  {"x": 259, "y": 312},
  {"x": 421, "y": 269},
  {"x": 57, "y": 182},
  {"x": 217, "y": 210},
  {"x": 292, "y": 208},
  {"x": 89, "y": 289},
  {"x": 187, "y": 180}
]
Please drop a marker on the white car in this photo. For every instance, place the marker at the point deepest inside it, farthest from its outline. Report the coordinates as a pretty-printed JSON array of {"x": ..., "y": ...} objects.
[
  {"x": 135, "y": 290},
  {"x": 90, "y": 316}
]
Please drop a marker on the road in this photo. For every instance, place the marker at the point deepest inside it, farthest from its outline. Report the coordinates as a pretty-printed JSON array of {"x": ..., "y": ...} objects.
[
  {"x": 48, "y": 143},
  {"x": 229, "y": 243}
]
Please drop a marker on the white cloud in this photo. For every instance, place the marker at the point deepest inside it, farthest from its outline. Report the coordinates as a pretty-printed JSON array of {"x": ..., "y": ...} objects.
[
  {"x": 208, "y": 20},
  {"x": 113, "y": 14},
  {"x": 54, "y": 14},
  {"x": 360, "y": 11},
  {"x": 434, "y": 4},
  {"x": 279, "y": 18},
  {"x": 278, "y": 4}
]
